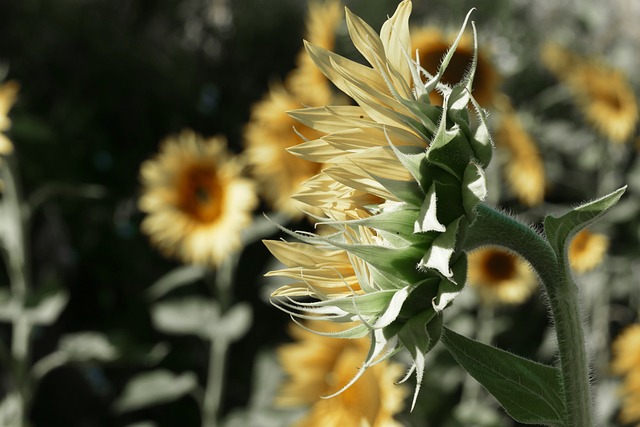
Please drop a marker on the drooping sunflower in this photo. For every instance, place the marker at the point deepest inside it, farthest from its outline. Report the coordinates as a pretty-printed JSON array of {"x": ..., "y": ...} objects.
[
  {"x": 271, "y": 130},
  {"x": 8, "y": 94},
  {"x": 195, "y": 199},
  {"x": 587, "y": 250},
  {"x": 626, "y": 362},
  {"x": 500, "y": 277},
  {"x": 400, "y": 180},
  {"x": 432, "y": 43},
  {"x": 523, "y": 168},
  {"x": 318, "y": 366},
  {"x": 602, "y": 92}
]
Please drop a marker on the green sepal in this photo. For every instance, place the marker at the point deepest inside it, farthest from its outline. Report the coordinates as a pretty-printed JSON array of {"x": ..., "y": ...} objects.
[
  {"x": 365, "y": 304},
  {"x": 405, "y": 191},
  {"x": 560, "y": 230},
  {"x": 396, "y": 222},
  {"x": 474, "y": 189},
  {"x": 427, "y": 219},
  {"x": 438, "y": 256},
  {"x": 450, "y": 149},
  {"x": 481, "y": 143},
  {"x": 531, "y": 393},
  {"x": 448, "y": 289},
  {"x": 420, "y": 298},
  {"x": 411, "y": 158},
  {"x": 419, "y": 335}
]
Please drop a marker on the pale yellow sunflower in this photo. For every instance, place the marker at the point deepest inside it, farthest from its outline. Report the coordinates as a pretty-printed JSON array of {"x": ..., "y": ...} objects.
[
  {"x": 432, "y": 44},
  {"x": 500, "y": 277},
  {"x": 8, "y": 94},
  {"x": 318, "y": 366},
  {"x": 524, "y": 168},
  {"x": 587, "y": 250},
  {"x": 195, "y": 199},
  {"x": 602, "y": 92},
  {"x": 271, "y": 130},
  {"x": 626, "y": 362}
]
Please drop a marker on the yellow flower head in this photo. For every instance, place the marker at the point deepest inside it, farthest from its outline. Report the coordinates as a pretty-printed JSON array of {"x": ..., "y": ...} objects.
[
  {"x": 603, "y": 93},
  {"x": 500, "y": 277},
  {"x": 271, "y": 130},
  {"x": 432, "y": 44},
  {"x": 626, "y": 362},
  {"x": 318, "y": 366},
  {"x": 524, "y": 169},
  {"x": 195, "y": 199},
  {"x": 8, "y": 94},
  {"x": 587, "y": 250}
]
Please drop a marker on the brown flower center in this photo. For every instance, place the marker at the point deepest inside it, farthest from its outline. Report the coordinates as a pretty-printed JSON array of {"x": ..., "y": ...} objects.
[
  {"x": 200, "y": 193},
  {"x": 499, "y": 266}
]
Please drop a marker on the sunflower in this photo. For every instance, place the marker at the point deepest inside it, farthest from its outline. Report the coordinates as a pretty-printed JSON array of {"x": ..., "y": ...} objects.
[
  {"x": 432, "y": 44},
  {"x": 271, "y": 130},
  {"x": 602, "y": 92},
  {"x": 524, "y": 169},
  {"x": 195, "y": 199},
  {"x": 394, "y": 193},
  {"x": 318, "y": 366},
  {"x": 626, "y": 362},
  {"x": 500, "y": 277},
  {"x": 8, "y": 94},
  {"x": 587, "y": 250}
]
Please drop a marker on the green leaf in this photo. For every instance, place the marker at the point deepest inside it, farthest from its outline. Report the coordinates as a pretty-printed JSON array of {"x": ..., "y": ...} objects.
[
  {"x": 176, "y": 278},
  {"x": 235, "y": 322},
  {"x": 531, "y": 393},
  {"x": 187, "y": 316},
  {"x": 87, "y": 346},
  {"x": 154, "y": 388},
  {"x": 560, "y": 230}
]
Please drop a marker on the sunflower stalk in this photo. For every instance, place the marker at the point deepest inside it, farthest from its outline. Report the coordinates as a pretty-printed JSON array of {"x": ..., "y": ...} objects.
[
  {"x": 495, "y": 228},
  {"x": 17, "y": 260}
]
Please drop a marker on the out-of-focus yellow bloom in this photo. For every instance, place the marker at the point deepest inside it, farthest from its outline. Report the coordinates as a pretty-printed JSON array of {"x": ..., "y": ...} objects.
[
  {"x": 432, "y": 43},
  {"x": 271, "y": 130},
  {"x": 306, "y": 81},
  {"x": 8, "y": 94},
  {"x": 318, "y": 366},
  {"x": 267, "y": 136},
  {"x": 524, "y": 169},
  {"x": 626, "y": 362},
  {"x": 587, "y": 250},
  {"x": 500, "y": 277},
  {"x": 603, "y": 93},
  {"x": 195, "y": 199}
]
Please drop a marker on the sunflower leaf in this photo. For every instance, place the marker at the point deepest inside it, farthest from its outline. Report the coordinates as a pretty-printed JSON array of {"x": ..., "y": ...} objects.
[
  {"x": 154, "y": 388},
  {"x": 531, "y": 393},
  {"x": 560, "y": 230}
]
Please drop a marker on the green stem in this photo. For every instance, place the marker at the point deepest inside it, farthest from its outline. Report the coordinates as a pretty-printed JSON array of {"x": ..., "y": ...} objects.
[
  {"x": 219, "y": 345},
  {"x": 16, "y": 257},
  {"x": 495, "y": 228}
]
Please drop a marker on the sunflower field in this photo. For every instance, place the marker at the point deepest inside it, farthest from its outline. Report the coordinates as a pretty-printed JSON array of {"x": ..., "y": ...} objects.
[{"x": 336, "y": 213}]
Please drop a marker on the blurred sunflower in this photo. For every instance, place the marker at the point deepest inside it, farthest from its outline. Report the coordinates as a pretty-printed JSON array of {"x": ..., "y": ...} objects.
[
  {"x": 500, "y": 277},
  {"x": 626, "y": 362},
  {"x": 603, "y": 93},
  {"x": 195, "y": 199},
  {"x": 8, "y": 94},
  {"x": 271, "y": 130},
  {"x": 524, "y": 168},
  {"x": 318, "y": 366},
  {"x": 432, "y": 44},
  {"x": 587, "y": 250}
]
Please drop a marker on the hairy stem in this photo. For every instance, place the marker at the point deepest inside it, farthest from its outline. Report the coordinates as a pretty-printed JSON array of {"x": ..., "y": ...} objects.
[{"x": 495, "y": 228}]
